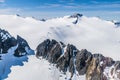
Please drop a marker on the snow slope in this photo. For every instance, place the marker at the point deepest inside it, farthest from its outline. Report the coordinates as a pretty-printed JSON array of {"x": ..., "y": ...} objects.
[
  {"x": 9, "y": 60},
  {"x": 91, "y": 33},
  {"x": 37, "y": 69}
]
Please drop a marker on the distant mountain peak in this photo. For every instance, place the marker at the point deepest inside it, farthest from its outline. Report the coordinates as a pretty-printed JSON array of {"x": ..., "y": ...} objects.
[
  {"x": 12, "y": 52},
  {"x": 17, "y": 14},
  {"x": 76, "y": 15},
  {"x": 43, "y": 19},
  {"x": 117, "y": 24}
]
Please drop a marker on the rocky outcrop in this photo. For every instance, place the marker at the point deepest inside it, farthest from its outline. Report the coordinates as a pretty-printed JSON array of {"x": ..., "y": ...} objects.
[
  {"x": 113, "y": 72},
  {"x": 83, "y": 59},
  {"x": 68, "y": 57},
  {"x": 116, "y": 70},
  {"x": 54, "y": 52},
  {"x": 43, "y": 20},
  {"x": 77, "y": 16},
  {"x": 95, "y": 70},
  {"x": 22, "y": 47},
  {"x": 7, "y": 41},
  {"x": 117, "y": 24},
  {"x": 13, "y": 52},
  {"x": 50, "y": 50}
]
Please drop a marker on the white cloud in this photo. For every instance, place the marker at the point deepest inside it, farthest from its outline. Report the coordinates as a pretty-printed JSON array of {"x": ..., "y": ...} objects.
[{"x": 92, "y": 34}]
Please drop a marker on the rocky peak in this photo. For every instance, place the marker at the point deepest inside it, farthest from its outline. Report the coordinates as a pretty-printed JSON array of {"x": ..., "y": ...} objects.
[
  {"x": 17, "y": 15},
  {"x": 22, "y": 41},
  {"x": 22, "y": 47},
  {"x": 83, "y": 59},
  {"x": 70, "y": 51},
  {"x": 7, "y": 41},
  {"x": 117, "y": 24},
  {"x": 77, "y": 16},
  {"x": 43, "y": 20},
  {"x": 69, "y": 58},
  {"x": 10, "y": 48},
  {"x": 45, "y": 47},
  {"x": 108, "y": 61},
  {"x": 4, "y": 35},
  {"x": 95, "y": 70}
]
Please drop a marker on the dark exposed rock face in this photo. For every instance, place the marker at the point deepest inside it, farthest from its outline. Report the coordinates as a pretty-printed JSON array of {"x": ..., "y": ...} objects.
[
  {"x": 70, "y": 58},
  {"x": 50, "y": 50},
  {"x": 22, "y": 46},
  {"x": 66, "y": 59},
  {"x": 83, "y": 59},
  {"x": 95, "y": 70},
  {"x": 77, "y": 16},
  {"x": 53, "y": 52},
  {"x": 9, "y": 49},
  {"x": 7, "y": 41},
  {"x": 117, "y": 24},
  {"x": 115, "y": 69},
  {"x": 43, "y": 20}
]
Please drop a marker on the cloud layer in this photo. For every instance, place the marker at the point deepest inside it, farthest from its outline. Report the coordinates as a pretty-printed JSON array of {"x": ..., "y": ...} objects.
[{"x": 93, "y": 34}]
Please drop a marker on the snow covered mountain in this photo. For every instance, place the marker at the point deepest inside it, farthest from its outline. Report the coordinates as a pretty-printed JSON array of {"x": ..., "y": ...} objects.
[
  {"x": 87, "y": 33},
  {"x": 70, "y": 59},
  {"x": 12, "y": 52},
  {"x": 91, "y": 33}
]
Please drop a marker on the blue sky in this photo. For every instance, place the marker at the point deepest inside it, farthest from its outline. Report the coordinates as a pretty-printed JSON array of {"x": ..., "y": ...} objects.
[{"x": 107, "y": 9}]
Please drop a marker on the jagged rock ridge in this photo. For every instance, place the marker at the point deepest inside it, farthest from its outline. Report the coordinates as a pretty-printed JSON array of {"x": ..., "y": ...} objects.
[
  {"x": 68, "y": 57},
  {"x": 77, "y": 16},
  {"x": 7, "y": 41},
  {"x": 13, "y": 51}
]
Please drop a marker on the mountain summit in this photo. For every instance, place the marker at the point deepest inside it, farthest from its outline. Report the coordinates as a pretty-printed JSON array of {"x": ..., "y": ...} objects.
[
  {"x": 77, "y": 16},
  {"x": 79, "y": 62},
  {"x": 76, "y": 47},
  {"x": 12, "y": 52}
]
